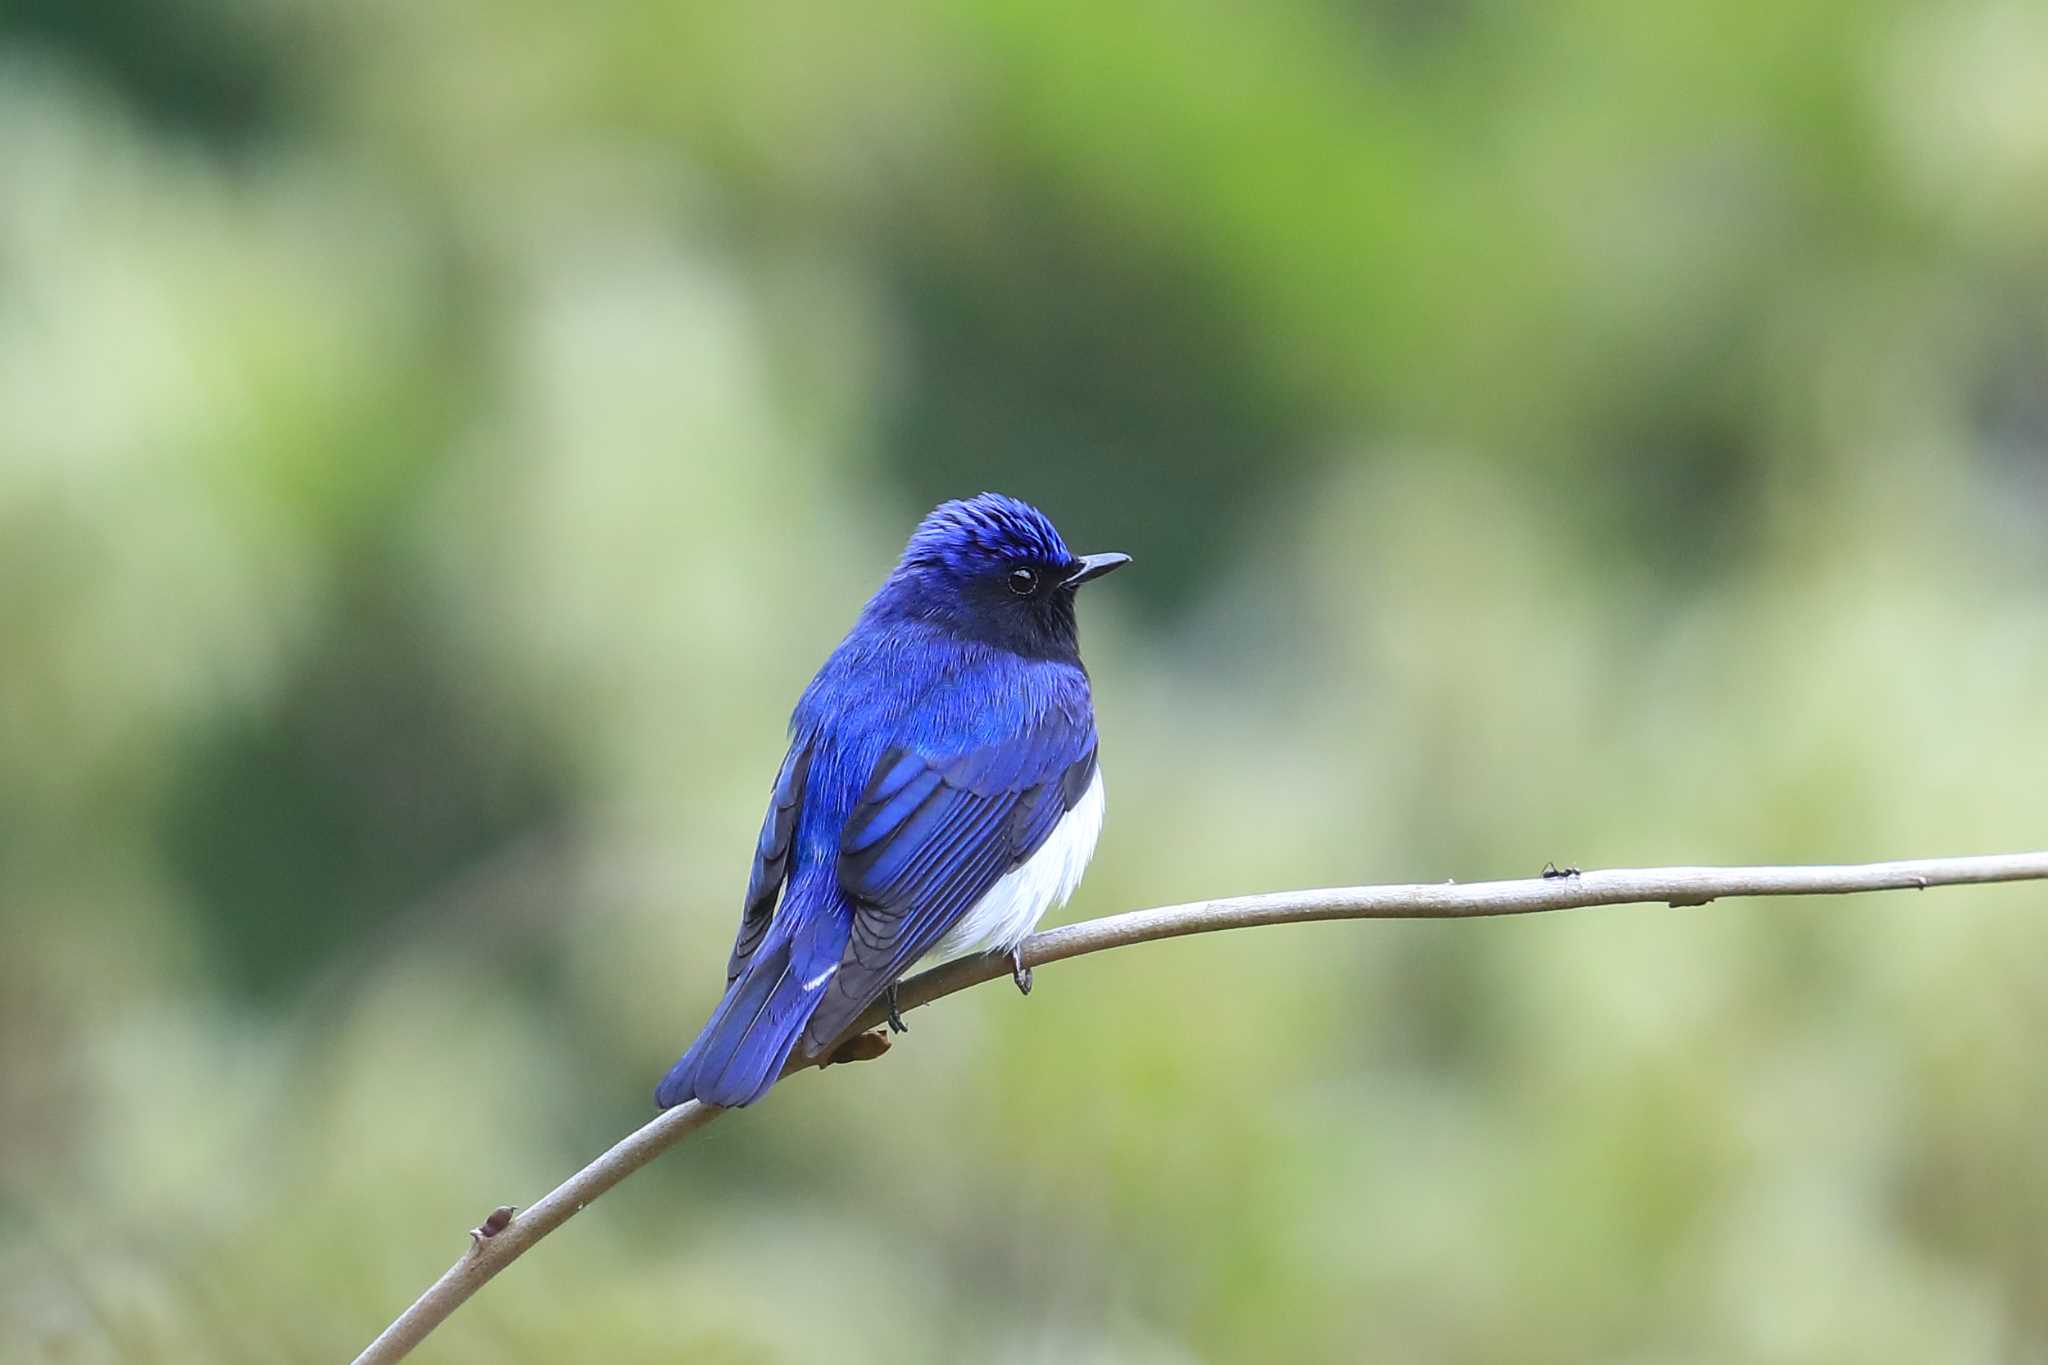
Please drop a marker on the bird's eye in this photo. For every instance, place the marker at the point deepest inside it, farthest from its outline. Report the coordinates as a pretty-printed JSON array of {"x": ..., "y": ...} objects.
[{"x": 1023, "y": 582}]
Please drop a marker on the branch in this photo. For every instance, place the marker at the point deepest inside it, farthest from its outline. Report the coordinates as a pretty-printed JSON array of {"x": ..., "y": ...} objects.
[{"x": 505, "y": 1237}]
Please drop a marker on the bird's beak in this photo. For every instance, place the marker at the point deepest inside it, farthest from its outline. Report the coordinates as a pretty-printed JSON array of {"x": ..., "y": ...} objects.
[{"x": 1095, "y": 566}]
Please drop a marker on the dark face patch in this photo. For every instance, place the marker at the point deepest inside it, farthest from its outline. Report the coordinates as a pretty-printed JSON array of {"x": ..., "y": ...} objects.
[{"x": 992, "y": 569}]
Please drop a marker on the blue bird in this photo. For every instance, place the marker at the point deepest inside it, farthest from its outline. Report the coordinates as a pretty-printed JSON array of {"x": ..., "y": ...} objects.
[{"x": 941, "y": 793}]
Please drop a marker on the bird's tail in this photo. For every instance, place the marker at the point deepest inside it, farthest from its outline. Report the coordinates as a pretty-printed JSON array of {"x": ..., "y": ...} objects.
[{"x": 742, "y": 1049}]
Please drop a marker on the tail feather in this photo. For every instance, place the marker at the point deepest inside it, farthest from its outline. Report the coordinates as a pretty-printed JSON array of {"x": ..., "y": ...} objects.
[{"x": 748, "y": 1038}]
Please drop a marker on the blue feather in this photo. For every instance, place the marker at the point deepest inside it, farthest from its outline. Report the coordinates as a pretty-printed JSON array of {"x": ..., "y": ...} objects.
[{"x": 934, "y": 752}]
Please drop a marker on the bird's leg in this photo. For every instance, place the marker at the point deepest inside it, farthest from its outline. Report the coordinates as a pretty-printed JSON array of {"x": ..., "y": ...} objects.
[
  {"x": 1020, "y": 973},
  {"x": 896, "y": 1024}
]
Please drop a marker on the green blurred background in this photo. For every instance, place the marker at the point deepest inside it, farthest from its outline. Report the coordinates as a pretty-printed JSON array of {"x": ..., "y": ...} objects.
[{"x": 437, "y": 442}]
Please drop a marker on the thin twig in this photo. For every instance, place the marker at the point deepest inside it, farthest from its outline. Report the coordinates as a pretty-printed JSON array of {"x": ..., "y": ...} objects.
[{"x": 493, "y": 1250}]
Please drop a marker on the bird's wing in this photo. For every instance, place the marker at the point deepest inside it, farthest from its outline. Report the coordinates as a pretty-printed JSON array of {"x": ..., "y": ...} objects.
[
  {"x": 931, "y": 833},
  {"x": 771, "y": 855}
]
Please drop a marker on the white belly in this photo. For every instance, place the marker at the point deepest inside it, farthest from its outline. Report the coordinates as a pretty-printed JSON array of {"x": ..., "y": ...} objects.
[{"x": 1003, "y": 918}]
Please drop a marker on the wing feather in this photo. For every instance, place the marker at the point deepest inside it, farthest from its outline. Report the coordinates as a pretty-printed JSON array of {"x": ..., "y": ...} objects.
[
  {"x": 929, "y": 837},
  {"x": 771, "y": 856}
]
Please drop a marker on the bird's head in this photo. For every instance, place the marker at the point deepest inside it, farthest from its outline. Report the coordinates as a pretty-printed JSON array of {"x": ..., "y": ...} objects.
[{"x": 994, "y": 569}]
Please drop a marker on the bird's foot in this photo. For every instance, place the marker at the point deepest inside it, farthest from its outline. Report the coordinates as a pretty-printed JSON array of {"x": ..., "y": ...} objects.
[
  {"x": 896, "y": 1024},
  {"x": 1020, "y": 973},
  {"x": 1551, "y": 871}
]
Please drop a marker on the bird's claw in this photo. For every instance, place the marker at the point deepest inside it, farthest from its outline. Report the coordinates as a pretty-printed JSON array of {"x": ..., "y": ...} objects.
[
  {"x": 1020, "y": 973},
  {"x": 896, "y": 1024},
  {"x": 1551, "y": 871}
]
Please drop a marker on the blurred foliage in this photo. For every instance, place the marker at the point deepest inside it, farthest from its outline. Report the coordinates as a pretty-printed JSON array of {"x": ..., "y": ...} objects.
[{"x": 438, "y": 441}]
